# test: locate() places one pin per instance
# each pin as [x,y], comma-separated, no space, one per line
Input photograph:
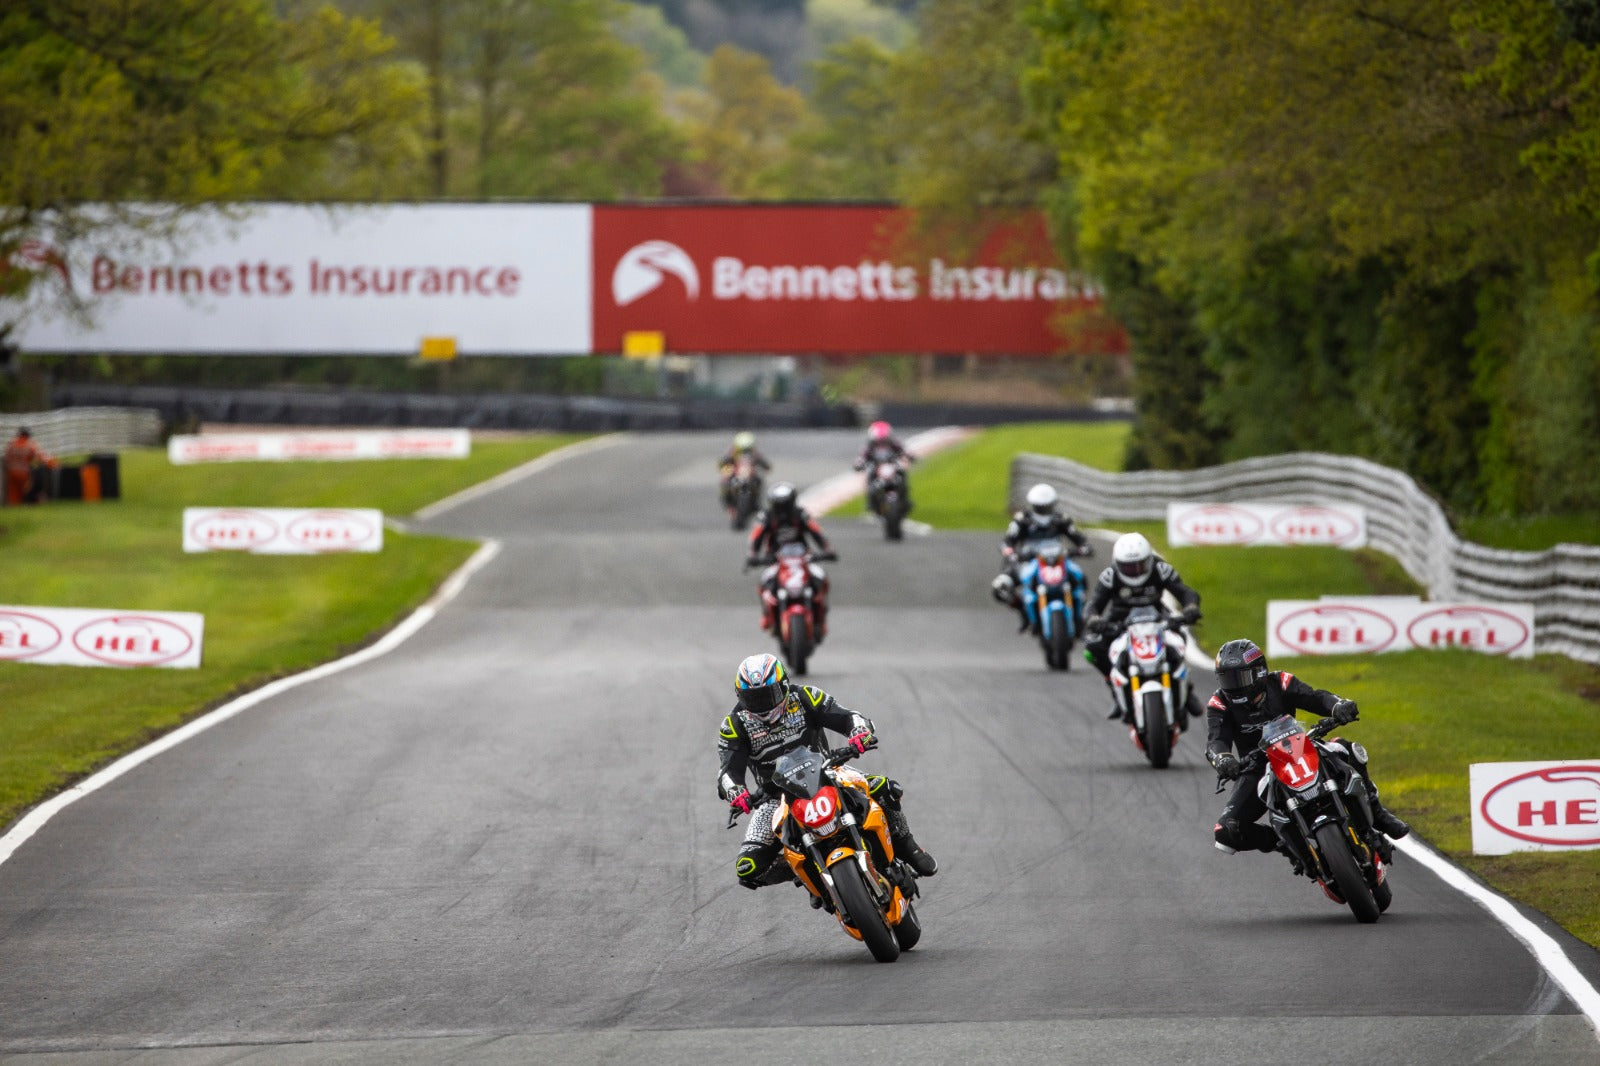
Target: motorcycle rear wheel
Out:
[1383,895]
[1157,731]
[864,913]
[1347,878]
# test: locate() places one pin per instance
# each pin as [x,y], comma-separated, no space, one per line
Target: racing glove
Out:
[1345,712]
[1191,615]
[862,740]
[1226,764]
[739,799]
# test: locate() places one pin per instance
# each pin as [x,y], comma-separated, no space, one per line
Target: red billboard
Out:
[829,278]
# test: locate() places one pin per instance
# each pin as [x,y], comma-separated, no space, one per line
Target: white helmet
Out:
[1042,498]
[1132,557]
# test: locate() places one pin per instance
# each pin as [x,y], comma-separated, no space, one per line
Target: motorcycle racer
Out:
[1039,521]
[744,446]
[786,522]
[1247,698]
[772,716]
[882,447]
[1137,577]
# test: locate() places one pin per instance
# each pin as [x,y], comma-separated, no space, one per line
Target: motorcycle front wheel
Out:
[797,649]
[863,912]
[1341,866]
[1059,655]
[1157,731]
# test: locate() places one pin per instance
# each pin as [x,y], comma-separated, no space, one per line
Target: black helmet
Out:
[1242,672]
[781,502]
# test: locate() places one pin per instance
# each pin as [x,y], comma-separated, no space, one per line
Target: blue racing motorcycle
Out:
[1052,590]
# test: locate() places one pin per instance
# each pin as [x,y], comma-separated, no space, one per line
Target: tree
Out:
[186,102]
[743,125]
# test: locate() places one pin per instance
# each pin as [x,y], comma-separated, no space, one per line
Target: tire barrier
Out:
[1562,583]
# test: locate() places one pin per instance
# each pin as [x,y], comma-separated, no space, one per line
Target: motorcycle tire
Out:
[864,914]
[1059,655]
[1157,730]
[1347,878]
[797,648]
[892,529]
[909,931]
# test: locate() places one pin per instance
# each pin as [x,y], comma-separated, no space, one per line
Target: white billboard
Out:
[1252,524]
[282,530]
[501,279]
[183,449]
[77,636]
[1366,624]
[1534,806]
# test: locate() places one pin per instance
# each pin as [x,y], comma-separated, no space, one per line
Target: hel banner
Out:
[74,636]
[1254,524]
[287,447]
[1534,806]
[560,279]
[282,530]
[1365,624]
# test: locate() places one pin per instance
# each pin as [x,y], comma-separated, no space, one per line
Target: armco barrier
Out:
[1562,583]
[87,429]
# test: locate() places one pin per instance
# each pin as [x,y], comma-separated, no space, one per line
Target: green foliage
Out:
[849,146]
[742,126]
[189,101]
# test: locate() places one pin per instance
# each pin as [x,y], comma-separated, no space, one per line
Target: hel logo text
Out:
[1315,525]
[234,530]
[1220,524]
[330,531]
[132,640]
[1321,630]
[1475,628]
[643,267]
[23,636]
[1556,806]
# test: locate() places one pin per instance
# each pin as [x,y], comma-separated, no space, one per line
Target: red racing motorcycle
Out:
[1317,804]
[793,602]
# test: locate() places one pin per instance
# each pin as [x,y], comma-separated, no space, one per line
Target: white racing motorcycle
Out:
[1150,677]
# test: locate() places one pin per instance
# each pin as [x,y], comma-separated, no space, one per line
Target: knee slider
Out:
[746,867]
[884,789]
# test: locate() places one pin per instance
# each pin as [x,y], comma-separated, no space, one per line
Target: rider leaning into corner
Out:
[786,522]
[772,716]
[1137,577]
[1249,696]
[1040,520]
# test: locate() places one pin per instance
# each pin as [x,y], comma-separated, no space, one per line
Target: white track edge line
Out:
[36,818]
[1541,945]
[517,473]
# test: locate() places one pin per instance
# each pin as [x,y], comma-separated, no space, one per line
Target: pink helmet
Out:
[878,431]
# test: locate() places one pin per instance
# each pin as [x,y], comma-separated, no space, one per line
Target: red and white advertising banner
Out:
[287,447]
[76,636]
[829,278]
[1255,524]
[311,279]
[560,279]
[1365,624]
[1534,806]
[282,530]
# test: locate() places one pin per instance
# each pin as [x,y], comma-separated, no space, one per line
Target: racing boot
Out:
[1385,822]
[906,846]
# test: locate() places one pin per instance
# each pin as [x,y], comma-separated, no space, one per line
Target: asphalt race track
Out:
[501,844]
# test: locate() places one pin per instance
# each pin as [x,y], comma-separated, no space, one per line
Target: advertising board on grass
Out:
[1535,806]
[282,530]
[1254,524]
[1366,624]
[320,447]
[78,636]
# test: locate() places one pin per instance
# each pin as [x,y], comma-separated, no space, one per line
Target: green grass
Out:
[266,616]
[1426,715]
[965,486]
[1532,534]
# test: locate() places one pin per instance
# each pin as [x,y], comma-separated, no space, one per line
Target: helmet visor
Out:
[1135,569]
[1239,678]
[764,702]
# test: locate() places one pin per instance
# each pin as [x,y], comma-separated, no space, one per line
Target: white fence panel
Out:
[75,430]
[1562,583]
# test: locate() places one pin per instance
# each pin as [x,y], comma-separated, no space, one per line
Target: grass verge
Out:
[266,616]
[1426,715]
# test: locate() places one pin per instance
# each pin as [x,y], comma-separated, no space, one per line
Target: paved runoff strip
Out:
[35,819]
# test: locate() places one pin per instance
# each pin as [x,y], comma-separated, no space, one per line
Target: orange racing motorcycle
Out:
[835,838]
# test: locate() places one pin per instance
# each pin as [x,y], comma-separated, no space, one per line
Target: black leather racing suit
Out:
[766,538]
[725,467]
[1113,598]
[887,450]
[1236,728]
[746,744]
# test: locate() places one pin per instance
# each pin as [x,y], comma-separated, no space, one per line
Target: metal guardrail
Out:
[86,429]
[1562,583]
